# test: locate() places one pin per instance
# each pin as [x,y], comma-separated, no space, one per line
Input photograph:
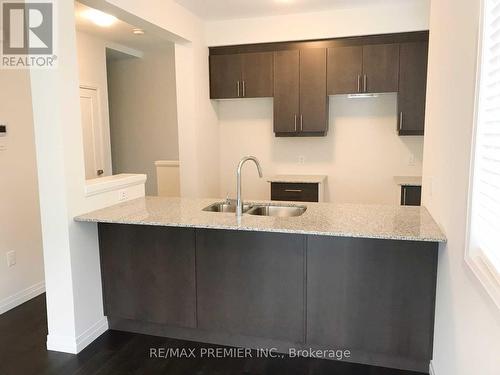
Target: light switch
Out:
[11,258]
[412,160]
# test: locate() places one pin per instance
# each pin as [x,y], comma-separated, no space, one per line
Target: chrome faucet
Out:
[239,201]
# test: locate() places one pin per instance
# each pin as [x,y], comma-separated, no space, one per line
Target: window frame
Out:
[475,258]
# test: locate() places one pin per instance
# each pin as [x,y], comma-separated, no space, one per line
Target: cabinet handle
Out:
[301,123]
[365,83]
[238,88]
[295,122]
[293,190]
[244,89]
[359,82]
[404,195]
[400,125]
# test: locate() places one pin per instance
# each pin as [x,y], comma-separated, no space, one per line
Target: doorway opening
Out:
[128,102]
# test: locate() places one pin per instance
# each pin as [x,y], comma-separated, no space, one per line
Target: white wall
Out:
[359,19]
[467,327]
[73,282]
[92,72]
[143,113]
[70,249]
[19,211]
[360,155]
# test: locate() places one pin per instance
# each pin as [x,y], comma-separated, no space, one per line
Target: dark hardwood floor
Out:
[23,333]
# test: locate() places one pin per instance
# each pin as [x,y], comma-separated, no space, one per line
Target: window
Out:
[483,253]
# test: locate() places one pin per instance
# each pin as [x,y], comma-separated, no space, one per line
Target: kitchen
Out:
[349,240]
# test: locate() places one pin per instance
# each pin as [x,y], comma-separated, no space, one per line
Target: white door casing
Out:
[93,138]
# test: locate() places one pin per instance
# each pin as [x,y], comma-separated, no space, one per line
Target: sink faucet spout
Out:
[239,201]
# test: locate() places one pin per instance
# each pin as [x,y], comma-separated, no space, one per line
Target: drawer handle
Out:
[293,190]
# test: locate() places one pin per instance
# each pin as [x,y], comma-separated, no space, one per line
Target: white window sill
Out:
[484,270]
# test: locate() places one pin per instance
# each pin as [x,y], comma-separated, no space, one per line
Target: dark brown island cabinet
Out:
[300,76]
[372,297]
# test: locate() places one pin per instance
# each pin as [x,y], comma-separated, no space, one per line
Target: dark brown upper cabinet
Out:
[363,69]
[380,68]
[345,70]
[300,99]
[286,91]
[300,75]
[257,75]
[412,88]
[245,75]
[225,76]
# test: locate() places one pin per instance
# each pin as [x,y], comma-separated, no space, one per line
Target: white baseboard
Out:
[21,297]
[431,369]
[91,334]
[72,345]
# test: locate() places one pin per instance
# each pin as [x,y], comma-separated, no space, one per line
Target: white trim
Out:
[431,369]
[92,333]
[110,183]
[21,297]
[475,258]
[89,86]
[67,344]
[484,271]
[167,163]
[124,49]
[99,164]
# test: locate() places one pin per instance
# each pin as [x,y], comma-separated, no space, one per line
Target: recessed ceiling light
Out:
[138,31]
[99,18]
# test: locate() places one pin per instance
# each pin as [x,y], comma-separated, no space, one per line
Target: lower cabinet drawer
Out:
[281,191]
[411,195]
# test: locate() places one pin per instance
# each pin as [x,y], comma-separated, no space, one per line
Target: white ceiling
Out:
[228,9]
[120,32]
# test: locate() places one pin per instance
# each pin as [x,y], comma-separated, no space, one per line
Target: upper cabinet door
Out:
[412,87]
[313,96]
[257,75]
[225,76]
[380,68]
[286,91]
[345,69]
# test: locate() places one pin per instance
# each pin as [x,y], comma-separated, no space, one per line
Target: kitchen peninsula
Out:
[338,277]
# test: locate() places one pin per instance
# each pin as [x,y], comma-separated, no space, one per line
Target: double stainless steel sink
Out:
[258,209]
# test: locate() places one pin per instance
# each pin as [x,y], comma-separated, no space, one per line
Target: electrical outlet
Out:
[302,159]
[11,258]
[122,195]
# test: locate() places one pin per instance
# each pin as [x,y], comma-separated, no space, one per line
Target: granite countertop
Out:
[408,180]
[297,179]
[342,220]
